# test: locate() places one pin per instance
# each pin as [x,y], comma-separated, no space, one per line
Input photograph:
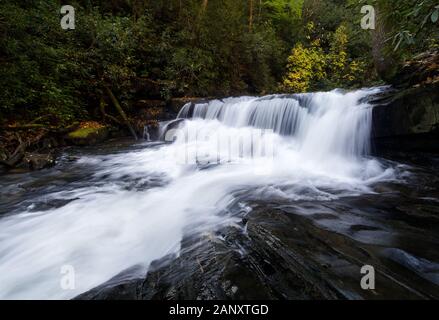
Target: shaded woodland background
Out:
[159,49]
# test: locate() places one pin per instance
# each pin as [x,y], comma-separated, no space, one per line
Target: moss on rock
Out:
[88,133]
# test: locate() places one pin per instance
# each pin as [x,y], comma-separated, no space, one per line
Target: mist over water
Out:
[319,151]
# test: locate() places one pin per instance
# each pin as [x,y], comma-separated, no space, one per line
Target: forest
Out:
[219,150]
[160,49]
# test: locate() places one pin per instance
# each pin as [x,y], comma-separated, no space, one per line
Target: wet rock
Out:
[409,121]
[307,250]
[37,161]
[46,205]
[176,104]
[124,286]
[278,254]
[207,269]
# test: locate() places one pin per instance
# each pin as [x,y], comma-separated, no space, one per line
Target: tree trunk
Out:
[105,115]
[137,7]
[120,110]
[204,6]
[259,11]
[250,16]
[385,59]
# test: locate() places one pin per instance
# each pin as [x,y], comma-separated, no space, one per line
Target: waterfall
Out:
[136,206]
[321,123]
[146,135]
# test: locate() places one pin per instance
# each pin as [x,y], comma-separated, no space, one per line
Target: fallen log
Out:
[32,126]
[26,127]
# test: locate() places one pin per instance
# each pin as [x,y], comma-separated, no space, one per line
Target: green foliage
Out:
[33,62]
[189,48]
[413,24]
[284,9]
[305,66]
[56,73]
[285,17]
[215,53]
[311,68]
[344,71]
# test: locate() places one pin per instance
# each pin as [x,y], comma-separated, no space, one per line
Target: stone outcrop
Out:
[406,117]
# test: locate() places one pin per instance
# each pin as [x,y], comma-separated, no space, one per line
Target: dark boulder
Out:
[406,118]
[408,121]
[274,254]
[124,286]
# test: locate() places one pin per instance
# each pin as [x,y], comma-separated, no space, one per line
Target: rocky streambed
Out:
[275,249]
[134,223]
[306,249]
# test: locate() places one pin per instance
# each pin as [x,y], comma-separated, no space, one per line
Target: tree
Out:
[250,16]
[403,28]
[313,68]
[305,67]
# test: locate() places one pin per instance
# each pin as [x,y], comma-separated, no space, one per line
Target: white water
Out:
[320,146]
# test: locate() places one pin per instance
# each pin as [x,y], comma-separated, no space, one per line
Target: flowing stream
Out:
[99,212]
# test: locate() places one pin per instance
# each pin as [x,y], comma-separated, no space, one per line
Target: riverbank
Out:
[36,146]
[302,251]
[297,225]
[405,119]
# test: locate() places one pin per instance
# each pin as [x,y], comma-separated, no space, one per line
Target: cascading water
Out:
[323,123]
[137,205]
[146,135]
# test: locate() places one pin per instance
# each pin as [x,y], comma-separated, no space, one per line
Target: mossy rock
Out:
[88,136]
